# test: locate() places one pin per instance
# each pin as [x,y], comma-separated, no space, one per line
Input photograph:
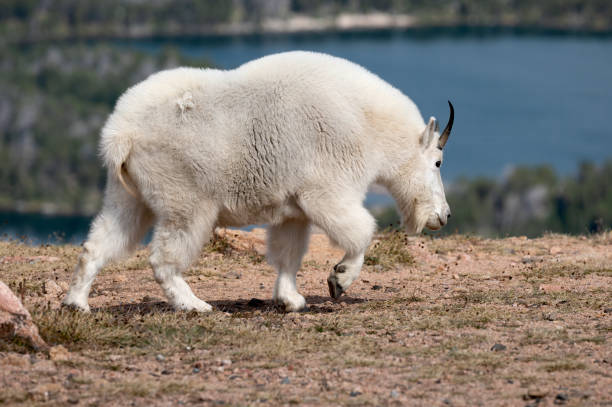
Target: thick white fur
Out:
[291,140]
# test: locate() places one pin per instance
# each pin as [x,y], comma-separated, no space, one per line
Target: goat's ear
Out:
[428,134]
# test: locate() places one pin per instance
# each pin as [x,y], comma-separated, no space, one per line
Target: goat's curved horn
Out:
[448,128]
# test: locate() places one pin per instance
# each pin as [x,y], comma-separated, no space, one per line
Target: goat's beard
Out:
[415,218]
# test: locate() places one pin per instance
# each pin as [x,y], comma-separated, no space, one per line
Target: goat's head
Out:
[422,200]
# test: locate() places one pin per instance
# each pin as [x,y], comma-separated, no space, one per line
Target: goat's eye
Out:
[438,164]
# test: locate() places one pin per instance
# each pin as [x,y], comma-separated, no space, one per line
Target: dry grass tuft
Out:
[391,250]
[221,243]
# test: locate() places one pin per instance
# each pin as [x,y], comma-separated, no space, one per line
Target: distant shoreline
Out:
[273,29]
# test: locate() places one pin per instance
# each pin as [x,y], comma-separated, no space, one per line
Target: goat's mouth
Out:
[435,222]
[417,221]
[442,221]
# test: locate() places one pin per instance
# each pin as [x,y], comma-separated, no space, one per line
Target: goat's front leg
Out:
[344,273]
[350,226]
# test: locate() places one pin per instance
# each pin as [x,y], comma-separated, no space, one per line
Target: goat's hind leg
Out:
[287,244]
[177,241]
[114,233]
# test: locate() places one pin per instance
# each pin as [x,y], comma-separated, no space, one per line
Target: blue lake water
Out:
[519,99]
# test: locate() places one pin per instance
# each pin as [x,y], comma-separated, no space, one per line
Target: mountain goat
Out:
[291,140]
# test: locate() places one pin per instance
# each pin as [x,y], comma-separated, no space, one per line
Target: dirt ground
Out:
[454,321]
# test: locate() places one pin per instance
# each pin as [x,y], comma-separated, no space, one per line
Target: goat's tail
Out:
[115,149]
[123,175]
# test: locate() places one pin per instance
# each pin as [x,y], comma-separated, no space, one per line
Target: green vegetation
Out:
[529,201]
[34,20]
[592,14]
[54,101]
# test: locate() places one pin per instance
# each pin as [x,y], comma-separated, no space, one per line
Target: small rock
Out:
[355,393]
[73,400]
[160,357]
[608,311]
[196,370]
[45,367]
[47,258]
[391,289]
[51,288]
[561,398]
[464,256]
[119,278]
[555,250]
[232,275]
[394,394]
[376,287]
[285,380]
[59,353]
[551,288]
[15,360]
[47,389]
[166,372]
[536,393]
[114,358]
[498,347]
[456,276]
[226,362]
[550,316]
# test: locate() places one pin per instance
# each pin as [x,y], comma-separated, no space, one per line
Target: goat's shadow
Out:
[316,305]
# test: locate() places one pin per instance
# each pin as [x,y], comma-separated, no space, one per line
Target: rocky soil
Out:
[458,321]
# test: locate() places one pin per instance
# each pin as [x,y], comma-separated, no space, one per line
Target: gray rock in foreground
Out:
[15,320]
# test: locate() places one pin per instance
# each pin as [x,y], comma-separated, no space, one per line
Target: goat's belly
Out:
[267,214]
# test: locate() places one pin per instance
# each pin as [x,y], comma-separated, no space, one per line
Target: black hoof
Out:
[70,307]
[335,290]
[304,310]
[281,307]
[340,268]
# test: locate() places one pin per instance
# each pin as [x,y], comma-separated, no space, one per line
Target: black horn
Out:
[448,128]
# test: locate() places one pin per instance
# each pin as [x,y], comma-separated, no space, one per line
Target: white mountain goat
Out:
[291,140]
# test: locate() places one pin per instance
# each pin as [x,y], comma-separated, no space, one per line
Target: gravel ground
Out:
[457,321]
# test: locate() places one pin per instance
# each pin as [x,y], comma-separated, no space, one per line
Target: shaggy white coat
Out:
[290,140]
